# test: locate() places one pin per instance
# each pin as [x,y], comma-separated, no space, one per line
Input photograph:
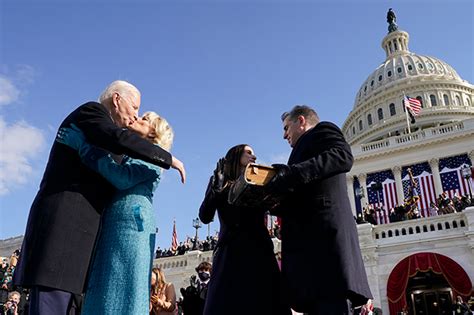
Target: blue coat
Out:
[64,217]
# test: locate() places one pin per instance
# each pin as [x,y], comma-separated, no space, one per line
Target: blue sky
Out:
[221,72]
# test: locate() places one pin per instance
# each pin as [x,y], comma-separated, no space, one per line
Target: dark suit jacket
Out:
[64,218]
[321,258]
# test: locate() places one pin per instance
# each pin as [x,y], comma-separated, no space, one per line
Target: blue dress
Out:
[119,279]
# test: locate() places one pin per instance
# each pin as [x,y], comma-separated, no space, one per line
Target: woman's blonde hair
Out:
[160,280]
[164,132]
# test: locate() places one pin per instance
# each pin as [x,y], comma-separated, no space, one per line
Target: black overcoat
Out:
[245,278]
[321,258]
[64,218]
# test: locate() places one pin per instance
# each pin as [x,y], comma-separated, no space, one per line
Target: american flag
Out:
[451,177]
[387,198]
[424,186]
[412,104]
[174,238]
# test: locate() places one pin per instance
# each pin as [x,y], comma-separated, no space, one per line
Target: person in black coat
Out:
[322,264]
[64,218]
[245,276]
[194,296]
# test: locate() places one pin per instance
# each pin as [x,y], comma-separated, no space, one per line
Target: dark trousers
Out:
[49,301]
[332,307]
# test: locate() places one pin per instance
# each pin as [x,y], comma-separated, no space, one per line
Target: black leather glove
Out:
[282,182]
[218,179]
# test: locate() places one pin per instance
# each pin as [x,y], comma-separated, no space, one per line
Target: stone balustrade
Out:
[447,225]
[415,137]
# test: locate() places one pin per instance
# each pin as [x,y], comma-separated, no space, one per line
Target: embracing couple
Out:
[91,226]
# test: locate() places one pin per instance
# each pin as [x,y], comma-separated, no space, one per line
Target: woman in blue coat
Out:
[245,276]
[119,279]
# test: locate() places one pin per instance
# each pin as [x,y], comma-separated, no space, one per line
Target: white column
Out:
[434,164]
[397,174]
[363,185]
[471,157]
[350,192]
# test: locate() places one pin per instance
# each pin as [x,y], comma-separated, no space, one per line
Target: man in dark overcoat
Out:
[64,218]
[322,264]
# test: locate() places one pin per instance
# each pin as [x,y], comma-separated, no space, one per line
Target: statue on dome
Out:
[392,21]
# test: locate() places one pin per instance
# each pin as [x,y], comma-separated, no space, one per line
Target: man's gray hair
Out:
[302,110]
[120,87]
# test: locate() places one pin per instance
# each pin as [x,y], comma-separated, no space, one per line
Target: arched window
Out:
[393,112]
[468,102]
[433,100]
[458,101]
[369,119]
[380,113]
[360,124]
[421,100]
[446,99]
[353,130]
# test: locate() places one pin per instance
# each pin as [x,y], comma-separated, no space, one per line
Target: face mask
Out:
[204,275]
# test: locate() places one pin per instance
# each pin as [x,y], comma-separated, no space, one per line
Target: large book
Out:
[249,190]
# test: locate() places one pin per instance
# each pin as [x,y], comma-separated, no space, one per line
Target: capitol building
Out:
[418,265]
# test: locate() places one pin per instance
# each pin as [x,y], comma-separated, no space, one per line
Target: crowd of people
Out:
[13,299]
[409,210]
[190,244]
[205,245]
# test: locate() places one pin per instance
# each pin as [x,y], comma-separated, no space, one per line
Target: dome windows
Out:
[433,100]
[410,67]
[421,101]
[399,69]
[468,102]
[391,107]
[389,73]
[372,83]
[430,66]
[353,130]
[446,99]
[365,88]
[369,119]
[380,77]
[380,113]
[458,101]
[360,125]
[420,66]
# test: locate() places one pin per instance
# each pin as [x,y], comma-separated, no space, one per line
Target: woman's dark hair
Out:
[233,169]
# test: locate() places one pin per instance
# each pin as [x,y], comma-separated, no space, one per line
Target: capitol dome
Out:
[378,111]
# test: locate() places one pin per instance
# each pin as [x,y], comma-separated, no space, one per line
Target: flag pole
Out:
[406,112]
